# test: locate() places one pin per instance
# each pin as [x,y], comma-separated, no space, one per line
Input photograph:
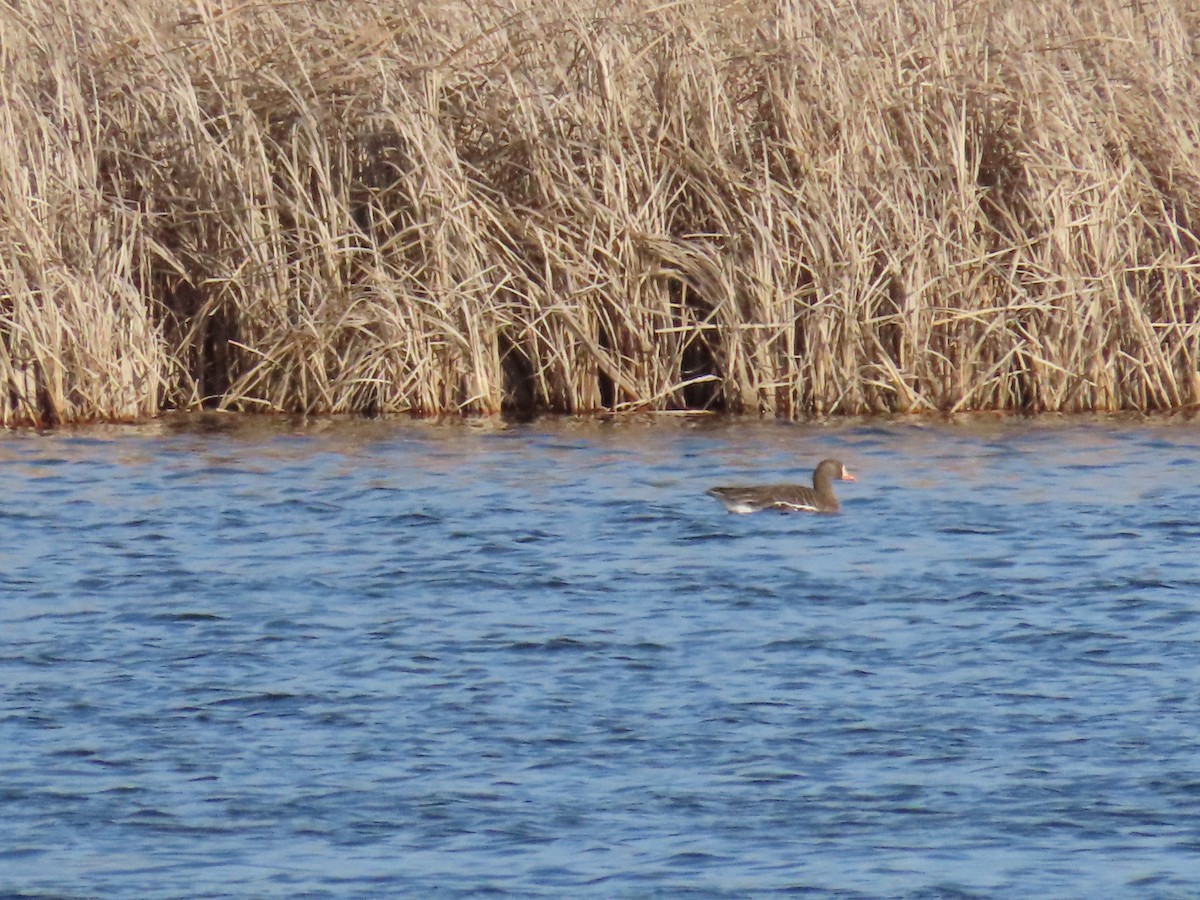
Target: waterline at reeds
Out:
[793,209]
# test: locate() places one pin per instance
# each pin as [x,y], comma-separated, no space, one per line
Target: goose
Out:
[788,497]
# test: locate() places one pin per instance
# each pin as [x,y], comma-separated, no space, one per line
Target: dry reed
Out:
[789,208]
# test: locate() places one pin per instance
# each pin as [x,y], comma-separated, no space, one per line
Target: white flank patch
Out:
[799,507]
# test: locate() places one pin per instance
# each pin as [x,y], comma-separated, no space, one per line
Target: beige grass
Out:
[796,208]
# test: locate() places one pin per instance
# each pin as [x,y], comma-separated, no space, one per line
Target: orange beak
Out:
[846,476]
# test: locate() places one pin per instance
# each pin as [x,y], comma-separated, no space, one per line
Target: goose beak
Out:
[846,476]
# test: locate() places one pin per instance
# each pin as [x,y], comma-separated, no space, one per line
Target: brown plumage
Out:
[788,497]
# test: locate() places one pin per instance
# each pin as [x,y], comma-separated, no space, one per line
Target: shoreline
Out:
[235,423]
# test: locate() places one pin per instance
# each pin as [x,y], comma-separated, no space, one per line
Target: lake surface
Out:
[405,659]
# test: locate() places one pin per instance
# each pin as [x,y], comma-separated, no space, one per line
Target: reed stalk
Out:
[805,207]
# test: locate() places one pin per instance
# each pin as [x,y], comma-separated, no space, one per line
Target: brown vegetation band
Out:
[792,208]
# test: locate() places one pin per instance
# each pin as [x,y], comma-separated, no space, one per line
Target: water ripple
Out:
[408,659]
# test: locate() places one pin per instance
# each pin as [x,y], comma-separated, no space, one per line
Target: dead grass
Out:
[799,208]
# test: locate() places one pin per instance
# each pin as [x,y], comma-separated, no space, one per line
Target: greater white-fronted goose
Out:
[788,497]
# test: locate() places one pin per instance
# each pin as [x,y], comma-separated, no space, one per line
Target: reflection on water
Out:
[397,659]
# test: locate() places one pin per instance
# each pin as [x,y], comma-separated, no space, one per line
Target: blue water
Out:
[403,659]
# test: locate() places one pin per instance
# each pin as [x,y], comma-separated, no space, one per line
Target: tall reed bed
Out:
[791,208]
